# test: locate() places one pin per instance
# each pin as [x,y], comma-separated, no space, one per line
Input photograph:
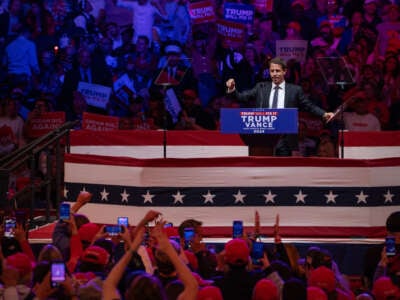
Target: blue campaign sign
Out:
[258,120]
[239,13]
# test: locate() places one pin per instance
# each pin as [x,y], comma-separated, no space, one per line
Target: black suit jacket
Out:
[99,75]
[4,24]
[294,98]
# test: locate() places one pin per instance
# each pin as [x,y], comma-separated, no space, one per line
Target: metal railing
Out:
[27,157]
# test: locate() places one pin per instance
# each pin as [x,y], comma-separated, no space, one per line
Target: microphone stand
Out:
[340,110]
[341,107]
[165,122]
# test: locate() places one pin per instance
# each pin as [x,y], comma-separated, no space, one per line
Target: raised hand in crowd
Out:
[83,198]
[184,274]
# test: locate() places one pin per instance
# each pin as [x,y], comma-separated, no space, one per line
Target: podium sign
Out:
[259,120]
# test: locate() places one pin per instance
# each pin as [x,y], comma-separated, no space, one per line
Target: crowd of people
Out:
[153,261]
[51,49]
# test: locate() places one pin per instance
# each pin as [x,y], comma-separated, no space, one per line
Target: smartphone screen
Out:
[57,273]
[237,229]
[123,221]
[65,209]
[390,246]
[257,252]
[113,229]
[9,226]
[188,235]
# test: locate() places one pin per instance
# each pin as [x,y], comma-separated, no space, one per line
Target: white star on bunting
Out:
[148,197]
[239,197]
[124,196]
[388,197]
[362,198]
[269,197]
[178,197]
[300,197]
[104,195]
[330,198]
[208,198]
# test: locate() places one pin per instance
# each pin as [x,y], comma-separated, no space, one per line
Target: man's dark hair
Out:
[189,223]
[278,61]
[393,222]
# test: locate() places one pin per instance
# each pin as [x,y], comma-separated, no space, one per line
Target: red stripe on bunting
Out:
[304,232]
[231,161]
[154,137]
[371,138]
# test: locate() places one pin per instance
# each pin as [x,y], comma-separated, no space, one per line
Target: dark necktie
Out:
[275,98]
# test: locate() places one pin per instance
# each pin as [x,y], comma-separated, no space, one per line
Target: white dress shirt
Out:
[281,95]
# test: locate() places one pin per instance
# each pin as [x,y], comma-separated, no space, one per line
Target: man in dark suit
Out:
[279,94]
[86,71]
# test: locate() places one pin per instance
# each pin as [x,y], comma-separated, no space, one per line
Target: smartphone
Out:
[113,229]
[9,226]
[168,225]
[176,239]
[188,235]
[237,229]
[257,252]
[390,246]
[65,211]
[57,273]
[123,221]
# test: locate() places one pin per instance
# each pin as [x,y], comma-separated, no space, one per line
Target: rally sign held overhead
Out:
[202,12]
[240,13]
[292,49]
[95,94]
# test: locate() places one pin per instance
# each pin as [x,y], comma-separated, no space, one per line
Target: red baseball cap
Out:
[21,262]
[237,252]
[96,255]
[315,293]
[88,231]
[265,289]
[383,287]
[323,278]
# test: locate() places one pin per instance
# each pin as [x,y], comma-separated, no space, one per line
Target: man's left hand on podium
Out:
[328,116]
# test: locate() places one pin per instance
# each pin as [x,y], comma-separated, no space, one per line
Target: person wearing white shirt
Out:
[144,13]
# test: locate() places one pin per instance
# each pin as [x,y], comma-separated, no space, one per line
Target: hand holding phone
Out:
[257,253]
[237,229]
[123,221]
[390,246]
[188,235]
[9,227]
[65,211]
[57,273]
[113,230]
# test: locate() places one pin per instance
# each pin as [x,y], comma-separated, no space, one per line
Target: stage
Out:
[340,203]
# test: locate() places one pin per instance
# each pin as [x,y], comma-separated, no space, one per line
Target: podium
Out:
[259,128]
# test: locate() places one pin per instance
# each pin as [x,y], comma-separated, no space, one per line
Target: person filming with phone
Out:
[384,259]
[191,235]
[278,94]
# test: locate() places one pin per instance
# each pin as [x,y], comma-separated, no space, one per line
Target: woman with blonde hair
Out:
[50,253]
